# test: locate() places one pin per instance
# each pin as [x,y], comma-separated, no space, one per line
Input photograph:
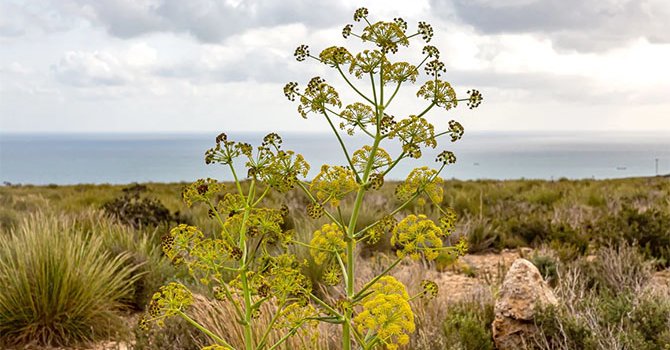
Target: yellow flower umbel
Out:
[416,236]
[333,183]
[387,314]
[327,242]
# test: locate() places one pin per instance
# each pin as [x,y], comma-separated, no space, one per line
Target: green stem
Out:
[237,181]
[344,148]
[311,197]
[285,337]
[238,310]
[352,85]
[374,280]
[426,110]
[248,331]
[392,96]
[325,305]
[263,340]
[203,329]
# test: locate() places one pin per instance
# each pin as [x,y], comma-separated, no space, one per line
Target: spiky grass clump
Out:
[60,286]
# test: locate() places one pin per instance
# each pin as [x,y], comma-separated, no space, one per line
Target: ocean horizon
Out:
[121,158]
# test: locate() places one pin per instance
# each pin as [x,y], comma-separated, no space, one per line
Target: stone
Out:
[523,292]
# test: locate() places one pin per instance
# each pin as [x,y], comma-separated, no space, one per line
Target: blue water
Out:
[125,158]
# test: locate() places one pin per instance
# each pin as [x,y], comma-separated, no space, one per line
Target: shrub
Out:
[59,286]
[468,326]
[650,229]
[547,265]
[138,211]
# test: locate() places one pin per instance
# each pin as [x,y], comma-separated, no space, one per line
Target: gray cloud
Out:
[208,20]
[584,25]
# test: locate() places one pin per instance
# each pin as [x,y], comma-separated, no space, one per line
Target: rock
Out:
[522,292]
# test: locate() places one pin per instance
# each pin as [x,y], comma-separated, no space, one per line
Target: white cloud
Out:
[161,65]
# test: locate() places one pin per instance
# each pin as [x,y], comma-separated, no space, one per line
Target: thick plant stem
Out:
[248,332]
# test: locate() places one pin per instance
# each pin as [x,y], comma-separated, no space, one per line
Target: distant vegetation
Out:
[603,239]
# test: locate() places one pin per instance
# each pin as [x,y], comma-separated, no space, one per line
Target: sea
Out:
[99,158]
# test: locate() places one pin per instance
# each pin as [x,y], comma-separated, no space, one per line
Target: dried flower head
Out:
[426,31]
[456,130]
[429,289]
[446,157]
[360,13]
[301,52]
[475,98]
[431,51]
[346,31]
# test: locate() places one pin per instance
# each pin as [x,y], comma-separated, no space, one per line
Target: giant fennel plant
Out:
[248,262]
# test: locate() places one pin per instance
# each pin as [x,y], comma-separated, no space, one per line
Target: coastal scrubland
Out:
[79,262]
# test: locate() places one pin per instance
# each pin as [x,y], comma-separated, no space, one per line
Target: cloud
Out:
[21,18]
[583,25]
[207,20]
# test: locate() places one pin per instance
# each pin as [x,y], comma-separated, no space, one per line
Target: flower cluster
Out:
[475,98]
[225,151]
[357,115]
[361,156]
[400,72]
[431,51]
[315,210]
[346,31]
[387,314]
[448,221]
[180,241]
[317,95]
[414,132]
[435,68]
[275,167]
[301,52]
[333,183]
[360,13]
[429,288]
[417,236]
[202,190]
[335,56]
[456,130]
[439,92]
[426,31]
[168,301]
[367,62]
[283,276]
[384,225]
[446,157]
[387,35]
[421,180]
[327,242]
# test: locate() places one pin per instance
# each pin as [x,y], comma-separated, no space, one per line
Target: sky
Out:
[203,65]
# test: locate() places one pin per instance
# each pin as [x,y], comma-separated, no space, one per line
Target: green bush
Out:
[548,267]
[468,326]
[650,229]
[136,210]
[59,286]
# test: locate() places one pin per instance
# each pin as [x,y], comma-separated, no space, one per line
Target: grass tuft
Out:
[60,285]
